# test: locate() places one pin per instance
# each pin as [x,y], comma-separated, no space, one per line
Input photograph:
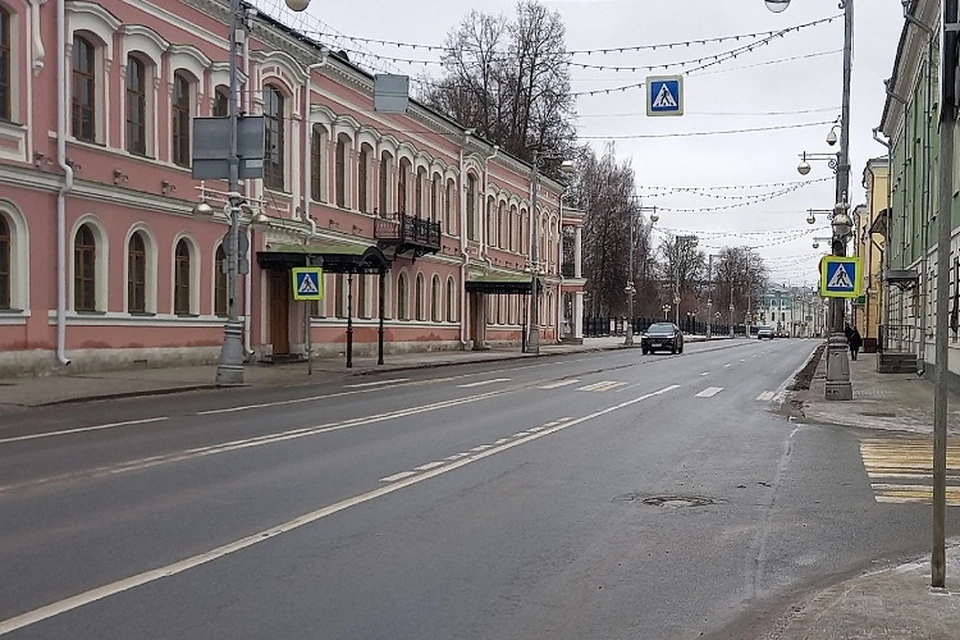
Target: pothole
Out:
[668,501]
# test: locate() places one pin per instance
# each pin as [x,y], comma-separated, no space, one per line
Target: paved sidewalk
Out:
[891,604]
[888,401]
[20,393]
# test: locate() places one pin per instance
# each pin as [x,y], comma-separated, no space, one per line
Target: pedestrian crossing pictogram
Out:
[664,95]
[841,279]
[308,283]
[664,99]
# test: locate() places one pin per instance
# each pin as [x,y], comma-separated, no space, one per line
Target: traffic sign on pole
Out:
[664,95]
[840,277]
[308,283]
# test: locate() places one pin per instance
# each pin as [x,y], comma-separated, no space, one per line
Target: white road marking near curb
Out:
[766,396]
[557,385]
[709,392]
[481,383]
[398,476]
[99,427]
[379,383]
[502,441]
[482,447]
[521,434]
[199,452]
[140,579]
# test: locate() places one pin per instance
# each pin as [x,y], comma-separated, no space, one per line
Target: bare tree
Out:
[510,81]
[682,266]
[739,277]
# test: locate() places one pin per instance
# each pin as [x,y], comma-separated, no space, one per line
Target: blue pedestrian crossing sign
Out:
[308,283]
[840,277]
[664,95]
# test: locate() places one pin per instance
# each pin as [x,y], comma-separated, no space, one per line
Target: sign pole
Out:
[306,328]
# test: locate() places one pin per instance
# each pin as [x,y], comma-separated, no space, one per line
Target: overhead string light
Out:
[705,192]
[601,51]
[754,200]
[695,134]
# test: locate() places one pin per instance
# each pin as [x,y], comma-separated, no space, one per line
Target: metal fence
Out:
[600,326]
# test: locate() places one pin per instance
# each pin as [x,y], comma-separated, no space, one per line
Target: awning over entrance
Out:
[334,258]
[494,283]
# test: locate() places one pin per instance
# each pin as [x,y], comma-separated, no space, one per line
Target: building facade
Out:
[869,222]
[910,122]
[797,312]
[111,254]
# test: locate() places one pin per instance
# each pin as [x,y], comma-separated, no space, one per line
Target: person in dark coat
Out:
[855,342]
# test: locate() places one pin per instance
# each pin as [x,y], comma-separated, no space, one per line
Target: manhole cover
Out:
[671,501]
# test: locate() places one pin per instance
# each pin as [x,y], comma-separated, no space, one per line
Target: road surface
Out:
[609,495]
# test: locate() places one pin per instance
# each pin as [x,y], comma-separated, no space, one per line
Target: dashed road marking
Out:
[705,373]
[599,387]
[766,396]
[398,476]
[482,383]
[557,385]
[99,427]
[430,465]
[709,392]
[378,383]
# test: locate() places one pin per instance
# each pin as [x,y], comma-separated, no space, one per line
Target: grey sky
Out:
[721,98]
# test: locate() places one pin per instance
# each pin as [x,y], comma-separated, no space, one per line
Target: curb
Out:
[130,394]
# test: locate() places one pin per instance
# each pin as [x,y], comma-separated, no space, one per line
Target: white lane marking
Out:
[521,434]
[482,447]
[551,424]
[754,355]
[766,396]
[398,476]
[605,385]
[113,588]
[501,441]
[99,427]
[379,383]
[457,456]
[709,392]
[430,465]
[727,365]
[743,359]
[198,452]
[481,383]
[557,385]
[705,373]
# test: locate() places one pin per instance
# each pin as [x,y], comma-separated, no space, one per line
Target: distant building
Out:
[870,222]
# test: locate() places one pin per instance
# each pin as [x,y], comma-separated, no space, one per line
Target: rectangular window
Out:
[181,121]
[316,164]
[84,90]
[6,99]
[136,107]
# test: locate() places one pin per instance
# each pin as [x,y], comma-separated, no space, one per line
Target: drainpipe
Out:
[464,254]
[307,133]
[65,189]
[485,225]
[248,192]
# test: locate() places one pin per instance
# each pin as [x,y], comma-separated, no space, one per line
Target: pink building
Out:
[139,279]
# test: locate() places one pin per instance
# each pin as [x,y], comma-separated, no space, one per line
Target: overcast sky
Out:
[726,96]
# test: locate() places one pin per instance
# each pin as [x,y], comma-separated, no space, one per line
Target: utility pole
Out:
[533,339]
[838,385]
[230,366]
[948,120]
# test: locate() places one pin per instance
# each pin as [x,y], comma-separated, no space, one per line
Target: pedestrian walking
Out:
[855,342]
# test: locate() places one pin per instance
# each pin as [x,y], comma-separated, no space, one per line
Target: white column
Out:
[578,254]
[578,312]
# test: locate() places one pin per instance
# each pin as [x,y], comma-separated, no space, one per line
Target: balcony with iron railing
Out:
[408,233]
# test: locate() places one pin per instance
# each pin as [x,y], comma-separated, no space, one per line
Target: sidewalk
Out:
[891,604]
[22,393]
[888,401]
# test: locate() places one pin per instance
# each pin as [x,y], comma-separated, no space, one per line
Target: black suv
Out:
[662,335]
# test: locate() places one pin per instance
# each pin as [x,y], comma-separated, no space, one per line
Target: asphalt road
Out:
[489,501]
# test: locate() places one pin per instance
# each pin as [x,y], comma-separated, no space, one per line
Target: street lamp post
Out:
[230,365]
[533,339]
[838,385]
[631,289]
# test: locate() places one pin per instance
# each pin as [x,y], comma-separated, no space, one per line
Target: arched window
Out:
[274,151]
[403,299]
[491,222]
[83,109]
[471,207]
[448,209]
[419,208]
[363,179]
[502,225]
[181,278]
[420,301]
[5,251]
[6,98]
[386,163]
[137,274]
[512,241]
[316,163]
[402,180]
[220,284]
[136,106]
[221,102]
[85,270]
[451,300]
[436,304]
[343,150]
[181,120]
[435,198]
